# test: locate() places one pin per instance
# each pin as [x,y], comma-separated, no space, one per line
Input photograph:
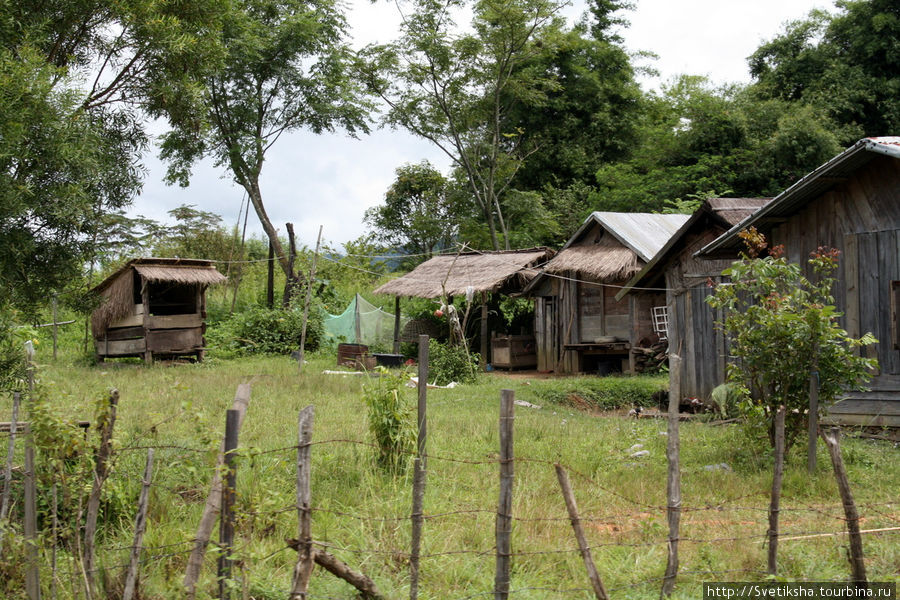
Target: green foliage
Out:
[447,362]
[391,419]
[782,327]
[601,393]
[417,215]
[261,330]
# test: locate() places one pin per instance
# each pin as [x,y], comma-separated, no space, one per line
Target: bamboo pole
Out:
[673,477]
[504,505]
[32,573]
[309,286]
[7,473]
[572,508]
[857,563]
[140,525]
[775,499]
[212,507]
[419,473]
[304,567]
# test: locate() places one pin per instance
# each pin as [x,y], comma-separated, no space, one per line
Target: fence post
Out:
[419,472]
[140,525]
[303,569]
[572,508]
[226,520]
[55,323]
[101,472]
[775,500]
[857,565]
[813,420]
[7,474]
[504,506]
[673,477]
[32,575]
[212,507]
[309,284]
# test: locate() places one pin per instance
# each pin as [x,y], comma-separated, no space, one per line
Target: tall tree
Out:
[285,69]
[847,63]
[418,214]
[455,89]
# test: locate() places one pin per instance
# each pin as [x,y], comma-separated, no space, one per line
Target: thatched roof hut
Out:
[153,305]
[454,274]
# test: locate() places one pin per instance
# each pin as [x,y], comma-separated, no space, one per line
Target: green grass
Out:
[362,512]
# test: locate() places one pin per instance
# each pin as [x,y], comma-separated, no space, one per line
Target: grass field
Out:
[361,514]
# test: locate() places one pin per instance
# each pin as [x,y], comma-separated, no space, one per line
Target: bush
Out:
[602,393]
[450,363]
[391,421]
[265,331]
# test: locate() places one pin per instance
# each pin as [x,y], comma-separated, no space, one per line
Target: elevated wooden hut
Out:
[851,203]
[153,307]
[579,324]
[479,273]
[690,322]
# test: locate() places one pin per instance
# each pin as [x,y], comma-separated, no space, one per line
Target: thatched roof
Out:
[117,291]
[606,261]
[735,210]
[454,274]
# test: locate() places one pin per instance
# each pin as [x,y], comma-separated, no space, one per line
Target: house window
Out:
[895,314]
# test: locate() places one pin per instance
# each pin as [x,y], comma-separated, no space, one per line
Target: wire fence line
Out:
[879,513]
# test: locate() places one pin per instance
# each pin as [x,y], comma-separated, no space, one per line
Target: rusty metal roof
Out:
[809,187]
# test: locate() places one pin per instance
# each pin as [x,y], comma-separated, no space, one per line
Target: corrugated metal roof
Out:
[811,186]
[644,233]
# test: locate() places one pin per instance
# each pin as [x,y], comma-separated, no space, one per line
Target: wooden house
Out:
[579,324]
[478,274]
[153,307]
[690,322]
[851,203]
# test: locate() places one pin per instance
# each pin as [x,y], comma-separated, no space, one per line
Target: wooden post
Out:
[572,508]
[419,472]
[145,321]
[54,528]
[673,478]
[270,278]
[290,281]
[813,419]
[309,291]
[504,506]
[32,575]
[304,567]
[857,565]
[356,319]
[775,500]
[366,587]
[55,324]
[226,522]
[140,525]
[396,348]
[7,473]
[212,507]
[101,472]
[482,362]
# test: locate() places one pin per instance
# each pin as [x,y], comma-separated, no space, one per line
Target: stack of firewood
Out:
[649,357]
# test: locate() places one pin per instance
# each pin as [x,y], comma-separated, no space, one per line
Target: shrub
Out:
[391,420]
[448,363]
[601,393]
[265,331]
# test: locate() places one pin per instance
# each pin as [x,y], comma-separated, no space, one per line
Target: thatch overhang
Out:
[811,186]
[453,274]
[606,261]
[724,212]
[117,291]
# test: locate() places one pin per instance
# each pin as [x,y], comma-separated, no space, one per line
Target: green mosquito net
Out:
[362,323]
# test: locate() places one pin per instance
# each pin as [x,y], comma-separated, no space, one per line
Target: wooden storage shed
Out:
[691,330]
[851,203]
[482,273]
[579,324]
[153,307]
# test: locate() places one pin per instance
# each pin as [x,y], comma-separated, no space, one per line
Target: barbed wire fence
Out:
[184,559]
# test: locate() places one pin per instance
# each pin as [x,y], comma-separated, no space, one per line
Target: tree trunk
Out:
[253,191]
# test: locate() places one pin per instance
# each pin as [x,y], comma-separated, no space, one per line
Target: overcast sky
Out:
[330,180]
